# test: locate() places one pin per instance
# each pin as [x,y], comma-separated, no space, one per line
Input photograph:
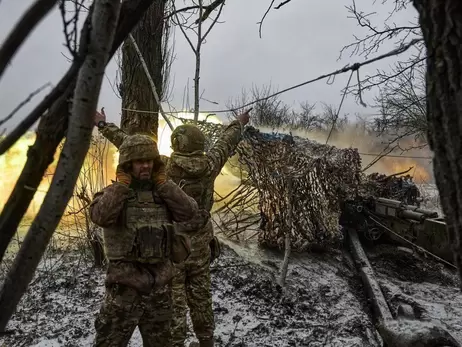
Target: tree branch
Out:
[264,16]
[51,131]
[24,102]
[207,10]
[21,31]
[282,4]
[88,86]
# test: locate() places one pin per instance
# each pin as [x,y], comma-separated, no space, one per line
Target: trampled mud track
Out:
[322,303]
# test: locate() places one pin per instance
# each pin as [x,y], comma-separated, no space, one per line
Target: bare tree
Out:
[268,111]
[51,129]
[201,13]
[104,19]
[401,104]
[152,37]
[441,23]
[400,88]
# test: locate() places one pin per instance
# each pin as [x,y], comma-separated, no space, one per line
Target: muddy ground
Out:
[322,303]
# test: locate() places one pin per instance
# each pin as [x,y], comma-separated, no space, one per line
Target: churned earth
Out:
[322,303]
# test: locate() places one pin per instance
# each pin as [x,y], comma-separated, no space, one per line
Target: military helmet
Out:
[138,147]
[188,138]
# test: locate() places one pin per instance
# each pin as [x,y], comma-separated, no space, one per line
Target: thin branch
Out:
[22,30]
[208,10]
[48,101]
[264,16]
[24,102]
[183,31]
[197,75]
[214,21]
[282,4]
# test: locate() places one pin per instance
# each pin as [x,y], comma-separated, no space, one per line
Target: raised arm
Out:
[109,130]
[227,143]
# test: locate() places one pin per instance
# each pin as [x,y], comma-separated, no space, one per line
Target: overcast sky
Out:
[300,41]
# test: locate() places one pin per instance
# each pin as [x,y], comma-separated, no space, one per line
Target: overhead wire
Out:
[403,48]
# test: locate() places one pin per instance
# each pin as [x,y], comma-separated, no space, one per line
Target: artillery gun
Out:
[393,221]
[387,220]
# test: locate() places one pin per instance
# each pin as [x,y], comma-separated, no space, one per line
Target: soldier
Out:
[137,213]
[195,172]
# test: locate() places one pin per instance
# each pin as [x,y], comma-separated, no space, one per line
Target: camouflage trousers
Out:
[191,287]
[123,310]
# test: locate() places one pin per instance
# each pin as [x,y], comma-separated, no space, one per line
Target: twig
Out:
[151,82]
[50,99]
[198,65]
[22,30]
[209,9]
[24,102]
[214,21]
[282,4]
[264,16]
[395,174]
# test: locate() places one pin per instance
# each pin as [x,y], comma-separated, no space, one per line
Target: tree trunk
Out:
[100,35]
[135,89]
[441,23]
[51,129]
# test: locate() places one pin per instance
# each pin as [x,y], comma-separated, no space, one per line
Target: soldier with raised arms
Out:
[195,171]
[138,213]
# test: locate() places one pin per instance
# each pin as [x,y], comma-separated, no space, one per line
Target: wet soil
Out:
[321,304]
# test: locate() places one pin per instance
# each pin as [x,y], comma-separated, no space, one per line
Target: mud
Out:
[322,303]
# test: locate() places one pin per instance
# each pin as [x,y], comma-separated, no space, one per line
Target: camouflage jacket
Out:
[194,164]
[199,168]
[107,204]
[106,211]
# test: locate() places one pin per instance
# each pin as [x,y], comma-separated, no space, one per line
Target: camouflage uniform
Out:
[195,172]
[140,244]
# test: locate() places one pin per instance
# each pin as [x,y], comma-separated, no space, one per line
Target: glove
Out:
[122,176]
[159,175]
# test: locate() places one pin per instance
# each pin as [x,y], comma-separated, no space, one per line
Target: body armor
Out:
[146,233]
[200,189]
[190,172]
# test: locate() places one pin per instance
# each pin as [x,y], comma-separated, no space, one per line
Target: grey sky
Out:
[300,41]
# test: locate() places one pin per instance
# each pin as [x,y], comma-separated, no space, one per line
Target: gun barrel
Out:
[413,215]
[427,213]
[390,202]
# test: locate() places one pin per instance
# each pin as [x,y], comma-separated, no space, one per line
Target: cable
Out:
[354,67]
[412,243]
[395,156]
[339,107]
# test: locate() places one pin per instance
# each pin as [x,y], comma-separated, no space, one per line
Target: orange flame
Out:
[98,170]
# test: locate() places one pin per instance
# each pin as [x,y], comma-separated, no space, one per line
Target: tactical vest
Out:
[200,189]
[145,232]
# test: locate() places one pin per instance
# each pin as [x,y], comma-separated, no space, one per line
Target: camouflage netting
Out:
[310,177]
[400,188]
[294,184]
